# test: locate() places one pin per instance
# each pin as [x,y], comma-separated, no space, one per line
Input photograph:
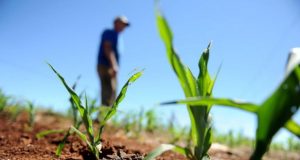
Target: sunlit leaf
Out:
[293,127]
[82,137]
[119,99]
[167,147]
[47,132]
[276,111]
[201,101]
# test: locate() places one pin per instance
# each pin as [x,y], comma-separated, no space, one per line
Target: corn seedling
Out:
[171,125]
[93,140]
[202,86]
[127,122]
[15,110]
[31,111]
[133,123]
[293,144]
[151,119]
[139,122]
[175,132]
[275,112]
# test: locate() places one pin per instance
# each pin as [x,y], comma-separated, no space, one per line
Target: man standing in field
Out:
[108,60]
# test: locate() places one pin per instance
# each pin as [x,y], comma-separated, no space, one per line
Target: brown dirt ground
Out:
[18,142]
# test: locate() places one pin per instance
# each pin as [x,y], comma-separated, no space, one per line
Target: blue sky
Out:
[250,38]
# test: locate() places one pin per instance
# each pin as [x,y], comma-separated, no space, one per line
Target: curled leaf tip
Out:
[209,44]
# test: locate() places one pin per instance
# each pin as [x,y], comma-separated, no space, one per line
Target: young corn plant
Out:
[31,111]
[192,86]
[92,139]
[139,123]
[274,113]
[151,118]
[15,110]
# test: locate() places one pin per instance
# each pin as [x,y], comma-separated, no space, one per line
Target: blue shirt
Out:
[111,36]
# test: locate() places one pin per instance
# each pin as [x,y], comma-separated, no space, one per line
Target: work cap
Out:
[122,19]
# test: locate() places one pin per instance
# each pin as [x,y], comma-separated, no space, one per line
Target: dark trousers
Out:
[108,85]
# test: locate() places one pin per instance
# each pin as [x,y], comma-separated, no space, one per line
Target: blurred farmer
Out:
[108,60]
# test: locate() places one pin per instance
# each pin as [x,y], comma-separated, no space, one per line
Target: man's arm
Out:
[108,52]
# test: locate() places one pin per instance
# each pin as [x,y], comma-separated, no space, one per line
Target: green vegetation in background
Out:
[10,105]
[151,124]
[3,100]
[132,123]
[31,111]
[94,140]
[293,144]
[232,139]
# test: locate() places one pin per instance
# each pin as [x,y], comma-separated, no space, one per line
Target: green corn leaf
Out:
[92,146]
[275,112]
[167,147]
[121,95]
[164,30]
[204,81]
[212,83]
[73,107]
[208,140]
[47,132]
[59,148]
[74,96]
[202,101]
[88,118]
[62,143]
[82,111]
[184,74]
[82,137]
[293,127]
[205,86]
[119,99]
[185,77]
